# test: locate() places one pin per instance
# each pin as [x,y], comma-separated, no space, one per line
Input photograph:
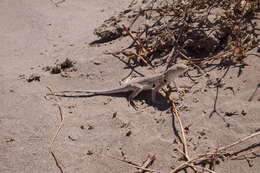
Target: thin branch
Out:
[239,141]
[182,131]
[131,163]
[51,150]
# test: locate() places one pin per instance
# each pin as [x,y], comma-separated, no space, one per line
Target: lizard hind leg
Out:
[134,93]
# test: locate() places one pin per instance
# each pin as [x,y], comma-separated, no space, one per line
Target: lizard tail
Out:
[93,92]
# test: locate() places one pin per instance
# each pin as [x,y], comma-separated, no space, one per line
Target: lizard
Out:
[137,85]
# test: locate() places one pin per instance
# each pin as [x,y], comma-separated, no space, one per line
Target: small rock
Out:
[97,63]
[114,115]
[243,113]
[89,152]
[33,77]
[55,70]
[227,125]
[229,114]
[10,140]
[90,127]
[128,133]
[72,139]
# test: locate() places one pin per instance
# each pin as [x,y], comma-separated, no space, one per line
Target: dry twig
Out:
[144,52]
[182,131]
[220,152]
[149,161]
[193,28]
[143,168]
[58,162]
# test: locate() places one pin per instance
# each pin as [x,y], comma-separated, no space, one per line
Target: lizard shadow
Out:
[145,97]
[161,103]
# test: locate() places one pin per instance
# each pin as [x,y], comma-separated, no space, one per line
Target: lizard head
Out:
[175,71]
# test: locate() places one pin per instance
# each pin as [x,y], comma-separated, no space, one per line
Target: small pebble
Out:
[128,133]
[89,152]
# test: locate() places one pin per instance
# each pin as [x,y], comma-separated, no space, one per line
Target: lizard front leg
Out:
[180,91]
[154,92]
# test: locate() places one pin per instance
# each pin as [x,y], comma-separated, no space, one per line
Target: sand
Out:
[36,34]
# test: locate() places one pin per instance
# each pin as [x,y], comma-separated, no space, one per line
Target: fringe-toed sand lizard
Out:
[136,85]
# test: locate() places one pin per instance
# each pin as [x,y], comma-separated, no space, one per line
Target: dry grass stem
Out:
[184,142]
[58,162]
[207,32]
[239,141]
[246,154]
[213,155]
[141,47]
[134,164]
[150,159]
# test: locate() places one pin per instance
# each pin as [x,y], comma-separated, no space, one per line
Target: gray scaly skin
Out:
[135,86]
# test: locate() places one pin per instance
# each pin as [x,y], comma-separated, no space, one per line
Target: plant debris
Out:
[198,32]
[201,33]
[66,66]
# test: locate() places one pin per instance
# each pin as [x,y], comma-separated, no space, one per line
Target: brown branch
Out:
[141,47]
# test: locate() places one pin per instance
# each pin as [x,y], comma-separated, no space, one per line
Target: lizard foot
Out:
[131,103]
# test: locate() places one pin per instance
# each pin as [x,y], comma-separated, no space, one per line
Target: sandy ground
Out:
[35,34]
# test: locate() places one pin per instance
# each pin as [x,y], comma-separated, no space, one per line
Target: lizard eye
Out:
[153,85]
[164,80]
